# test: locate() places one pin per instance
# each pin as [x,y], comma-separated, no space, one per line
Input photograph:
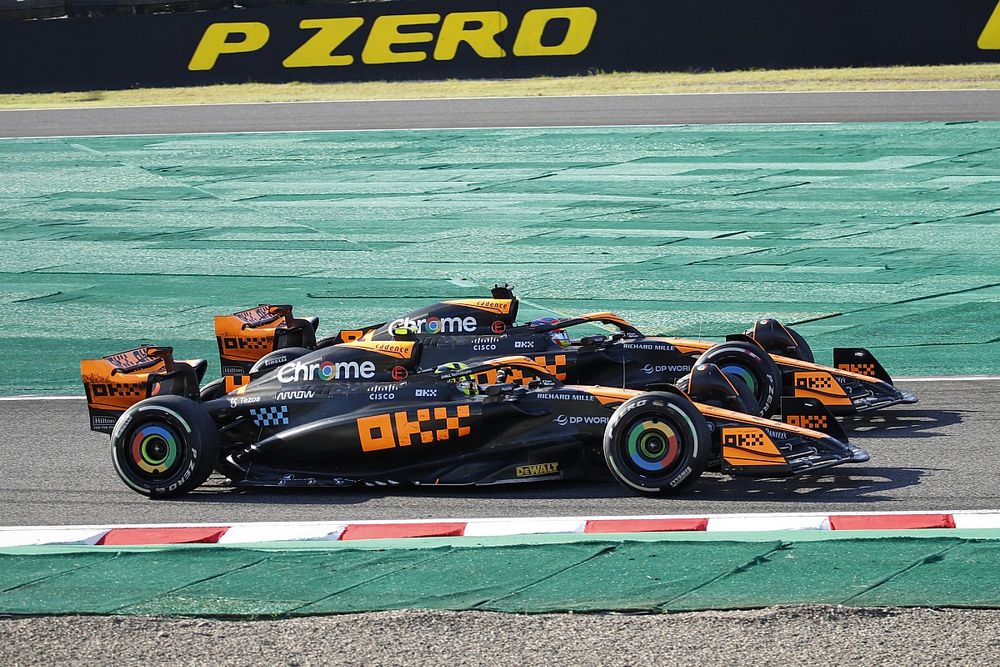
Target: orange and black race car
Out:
[362,414]
[767,361]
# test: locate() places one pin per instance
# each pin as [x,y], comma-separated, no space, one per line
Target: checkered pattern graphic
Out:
[272,416]
[860,369]
[127,389]
[257,342]
[807,421]
[514,376]
[752,439]
[814,382]
[248,342]
[555,363]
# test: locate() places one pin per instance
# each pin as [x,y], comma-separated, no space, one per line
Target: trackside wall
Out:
[434,39]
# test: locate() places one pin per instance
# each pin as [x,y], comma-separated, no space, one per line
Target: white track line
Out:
[42,398]
[880,91]
[951,378]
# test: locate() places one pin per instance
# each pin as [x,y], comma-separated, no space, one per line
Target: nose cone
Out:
[859,455]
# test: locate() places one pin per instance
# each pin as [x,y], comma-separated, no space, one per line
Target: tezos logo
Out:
[436,325]
[563,420]
[326,370]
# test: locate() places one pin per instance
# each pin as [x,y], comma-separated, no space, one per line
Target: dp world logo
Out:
[563,420]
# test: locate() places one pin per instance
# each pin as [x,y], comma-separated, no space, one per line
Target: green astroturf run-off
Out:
[881,235]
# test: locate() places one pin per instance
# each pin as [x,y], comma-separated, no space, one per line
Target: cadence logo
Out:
[326,370]
[436,325]
[397,38]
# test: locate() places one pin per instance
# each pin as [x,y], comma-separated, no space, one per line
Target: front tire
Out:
[803,351]
[753,366]
[164,446]
[657,444]
[747,398]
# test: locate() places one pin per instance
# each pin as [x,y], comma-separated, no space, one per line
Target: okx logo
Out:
[416,427]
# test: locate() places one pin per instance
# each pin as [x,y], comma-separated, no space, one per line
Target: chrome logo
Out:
[433,325]
[327,371]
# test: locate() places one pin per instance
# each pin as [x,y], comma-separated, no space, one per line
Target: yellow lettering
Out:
[989,40]
[215,42]
[456,29]
[385,34]
[318,49]
[578,33]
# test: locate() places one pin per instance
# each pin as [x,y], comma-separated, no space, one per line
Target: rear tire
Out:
[753,366]
[165,446]
[657,444]
[213,390]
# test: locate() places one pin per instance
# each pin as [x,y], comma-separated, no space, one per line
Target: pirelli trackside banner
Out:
[434,39]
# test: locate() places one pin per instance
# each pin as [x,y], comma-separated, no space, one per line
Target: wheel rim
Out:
[653,446]
[745,374]
[154,450]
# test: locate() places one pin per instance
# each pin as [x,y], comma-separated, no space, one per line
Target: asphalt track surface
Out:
[956,106]
[939,454]
[932,456]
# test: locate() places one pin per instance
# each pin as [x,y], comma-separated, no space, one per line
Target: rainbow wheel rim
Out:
[154,449]
[652,445]
[743,373]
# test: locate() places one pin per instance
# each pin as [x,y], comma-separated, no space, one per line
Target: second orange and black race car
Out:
[769,360]
[361,414]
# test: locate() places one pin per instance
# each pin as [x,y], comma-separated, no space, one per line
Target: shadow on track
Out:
[848,484]
[903,424]
[854,485]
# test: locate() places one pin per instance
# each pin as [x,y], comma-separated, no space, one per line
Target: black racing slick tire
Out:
[753,366]
[164,446]
[746,396]
[657,444]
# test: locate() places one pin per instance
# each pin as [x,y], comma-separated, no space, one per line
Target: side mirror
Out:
[593,341]
[500,389]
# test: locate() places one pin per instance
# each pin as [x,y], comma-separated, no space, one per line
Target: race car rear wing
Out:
[116,382]
[246,336]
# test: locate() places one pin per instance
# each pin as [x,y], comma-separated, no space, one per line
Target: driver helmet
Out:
[557,336]
[464,383]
